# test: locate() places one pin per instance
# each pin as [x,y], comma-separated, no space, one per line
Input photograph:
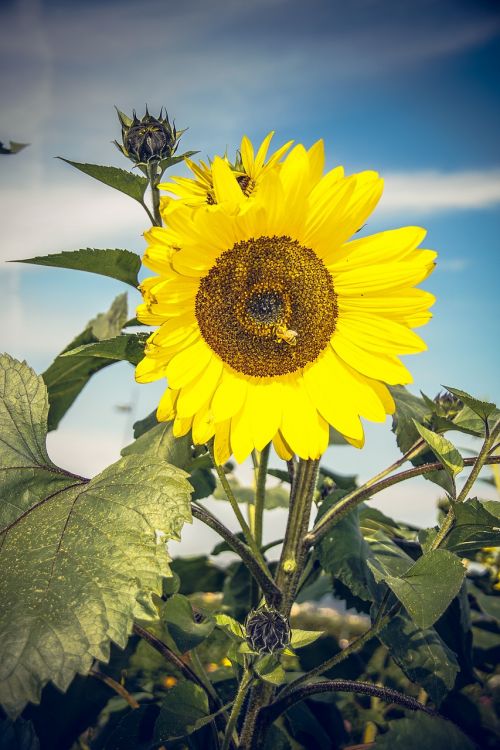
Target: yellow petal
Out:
[264,402]
[166,408]
[226,186]
[282,448]
[376,365]
[375,333]
[300,426]
[187,364]
[229,396]
[222,446]
[199,391]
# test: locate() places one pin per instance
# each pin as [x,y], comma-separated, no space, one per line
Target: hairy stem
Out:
[261,574]
[282,704]
[237,511]
[155,193]
[355,497]
[260,492]
[230,733]
[477,465]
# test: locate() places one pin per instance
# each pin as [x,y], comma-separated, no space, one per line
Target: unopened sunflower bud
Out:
[447,404]
[268,631]
[148,139]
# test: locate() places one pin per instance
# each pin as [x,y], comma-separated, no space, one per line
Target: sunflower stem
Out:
[230,733]
[290,568]
[237,511]
[154,179]
[262,461]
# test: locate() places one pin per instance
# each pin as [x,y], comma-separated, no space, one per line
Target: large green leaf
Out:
[66,377]
[158,439]
[475,527]
[122,265]
[422,655]
[127,347]
[182,712]
[428,587]
[80,558]
[126,182]
[343,552]
[432,732]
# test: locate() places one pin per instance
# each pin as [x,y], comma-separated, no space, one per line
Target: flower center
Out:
[267,307]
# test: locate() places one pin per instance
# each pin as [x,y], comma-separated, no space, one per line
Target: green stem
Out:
[261,574]
[237,511]
[230,732]
[293,554]
[478,464]
[290,567]
[260,492]
[155,193]
[114,685]
[350,501]
[381,620]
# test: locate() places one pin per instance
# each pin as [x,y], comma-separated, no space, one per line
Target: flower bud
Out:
[447,404]
[148,139]
[267,631]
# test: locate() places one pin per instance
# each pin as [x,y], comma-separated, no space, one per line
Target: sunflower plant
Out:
[277,324]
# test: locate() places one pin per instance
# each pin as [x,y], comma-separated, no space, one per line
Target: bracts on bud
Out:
[268,631]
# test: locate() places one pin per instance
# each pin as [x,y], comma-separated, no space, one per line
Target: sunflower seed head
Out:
[268,631]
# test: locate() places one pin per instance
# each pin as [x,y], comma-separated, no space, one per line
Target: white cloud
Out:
[66,216]
[431,192]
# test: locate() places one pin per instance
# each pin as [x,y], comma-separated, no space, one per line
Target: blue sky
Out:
[404,87]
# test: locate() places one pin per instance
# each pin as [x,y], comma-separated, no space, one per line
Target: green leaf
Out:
[66,378]
[435,732]
[160,441]
[422,655]
[229,625]
[301,638]
[185,631]
[428,587]
[482,408]
[182,712]
[489,603]
[126,182]
[80,558]
[122,265]
[127,347]
[270,670]
[475,527]
[444,450]
[386,558]
[409,410]
[343,552]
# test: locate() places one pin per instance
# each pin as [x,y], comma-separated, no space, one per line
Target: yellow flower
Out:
[272,324]
[248,169]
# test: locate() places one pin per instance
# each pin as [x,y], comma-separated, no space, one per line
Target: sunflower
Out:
[273,324]
[249,167]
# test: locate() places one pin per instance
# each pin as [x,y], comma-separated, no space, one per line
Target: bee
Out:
[286,334]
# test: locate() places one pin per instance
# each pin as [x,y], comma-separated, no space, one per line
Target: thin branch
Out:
[114,685]
[355,497]
[261,575]
[260,492]
[282,704]
[168,654]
